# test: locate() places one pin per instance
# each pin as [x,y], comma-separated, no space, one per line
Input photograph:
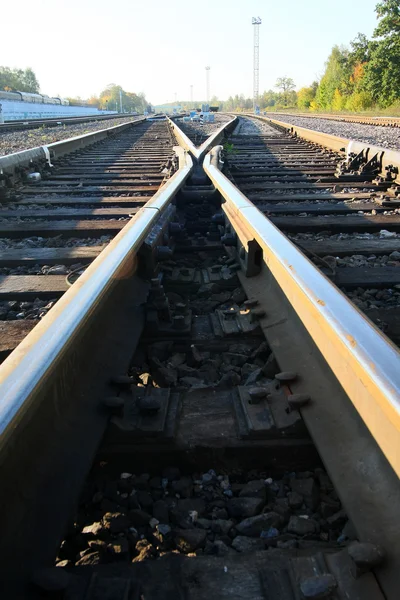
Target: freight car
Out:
[29,97]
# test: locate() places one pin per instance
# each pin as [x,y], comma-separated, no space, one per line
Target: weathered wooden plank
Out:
[29,287]
[352,223]
[74,213]
[115,200]
[49,256]
[259,197]
[12,333]
[100,189]
[353,246]
[321,208]
[66,228]
[366,277]
[312,185]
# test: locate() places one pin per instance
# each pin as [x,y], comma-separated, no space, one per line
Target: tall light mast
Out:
[256,21]
[208,84]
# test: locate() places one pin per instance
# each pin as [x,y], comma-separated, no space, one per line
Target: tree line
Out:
[110,98]
[21,80]
[364,76]
[25,80]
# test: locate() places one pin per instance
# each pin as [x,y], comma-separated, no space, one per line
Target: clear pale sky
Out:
[77,47]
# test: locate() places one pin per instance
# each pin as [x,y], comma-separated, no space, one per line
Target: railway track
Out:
[61,224]
[25,124]
[198,401]
[338,210]
[360,119]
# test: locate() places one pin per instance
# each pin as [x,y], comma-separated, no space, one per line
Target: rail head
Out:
[26,369]
[200,152]
[365,362]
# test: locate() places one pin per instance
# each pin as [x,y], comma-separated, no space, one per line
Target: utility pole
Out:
[256,21]
[120,98]
[208,84]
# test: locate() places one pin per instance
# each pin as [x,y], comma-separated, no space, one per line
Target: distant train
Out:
[28,97]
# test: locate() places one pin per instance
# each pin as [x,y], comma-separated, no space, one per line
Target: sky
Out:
[77,47]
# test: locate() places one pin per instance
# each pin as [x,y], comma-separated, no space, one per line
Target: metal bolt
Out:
[235,267]
[179,322]
[250,303]
[34,177]
[286,376]
[180,307]
[365,556]
[298,400]
[257,394]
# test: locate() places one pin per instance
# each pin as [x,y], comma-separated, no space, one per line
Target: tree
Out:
[360,49]
[268,99]
[305,96]
[336,77]
[286,84]
[388,11]
[19,80]
[382,72]
[29,81]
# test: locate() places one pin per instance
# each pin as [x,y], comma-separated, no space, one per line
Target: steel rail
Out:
[12,164]
[364,361]
[385,156]
[200,152]
[24,372]
[22,124]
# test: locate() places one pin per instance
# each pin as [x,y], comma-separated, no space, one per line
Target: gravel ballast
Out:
[16,141]
[198,131]
[134,518]
[386,137]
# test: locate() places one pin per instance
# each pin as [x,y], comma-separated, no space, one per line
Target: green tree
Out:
[111,97]
[336,77]
[19,80]
[305,96]
[382,72]
[286,84]
[268,99]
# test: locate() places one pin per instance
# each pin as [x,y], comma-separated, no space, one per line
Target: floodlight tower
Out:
[208,84]
[256,21]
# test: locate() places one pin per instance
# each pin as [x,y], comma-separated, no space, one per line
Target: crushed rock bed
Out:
[16,141]
[12,310]
[133,518]
[386,137]
[359,260]
[198,131]
[255,127]
[373,298]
